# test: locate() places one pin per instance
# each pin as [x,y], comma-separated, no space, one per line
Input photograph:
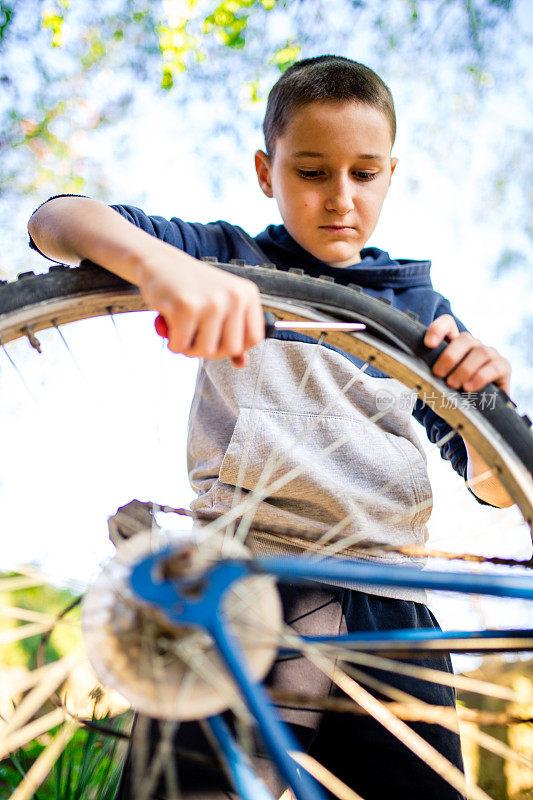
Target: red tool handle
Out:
[162,327]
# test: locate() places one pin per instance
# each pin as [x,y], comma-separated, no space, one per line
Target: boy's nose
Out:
[340,197]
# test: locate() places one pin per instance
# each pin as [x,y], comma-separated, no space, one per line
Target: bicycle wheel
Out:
[392,343]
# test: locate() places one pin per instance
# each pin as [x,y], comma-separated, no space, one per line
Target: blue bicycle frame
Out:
[204,609]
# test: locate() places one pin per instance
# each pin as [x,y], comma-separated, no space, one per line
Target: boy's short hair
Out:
[323,78]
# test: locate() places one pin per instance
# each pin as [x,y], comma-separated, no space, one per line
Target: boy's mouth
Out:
[336,227]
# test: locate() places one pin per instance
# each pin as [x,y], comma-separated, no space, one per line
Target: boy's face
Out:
[330,174]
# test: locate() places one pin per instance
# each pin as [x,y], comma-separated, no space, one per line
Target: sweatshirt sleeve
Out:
[219,240]
[195,238]
[453,448]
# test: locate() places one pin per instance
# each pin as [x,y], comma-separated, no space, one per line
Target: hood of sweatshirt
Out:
[376,270]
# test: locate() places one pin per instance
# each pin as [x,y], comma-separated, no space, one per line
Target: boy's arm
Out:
[209,313]
[469,365]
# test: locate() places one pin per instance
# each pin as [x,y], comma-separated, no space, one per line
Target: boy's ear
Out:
[393,163]
[262,167]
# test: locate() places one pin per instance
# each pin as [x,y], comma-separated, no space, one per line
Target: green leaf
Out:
[21,769]
[167,81]
[86,764]
[53,20]
[287,55]
[6,15]
[96,50]
[253,90]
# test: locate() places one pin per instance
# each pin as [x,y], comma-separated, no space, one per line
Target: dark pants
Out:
[355,748]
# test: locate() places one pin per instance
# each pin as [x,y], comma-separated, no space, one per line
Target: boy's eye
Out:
[309,173]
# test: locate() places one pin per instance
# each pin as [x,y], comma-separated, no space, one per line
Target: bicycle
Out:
[195,579]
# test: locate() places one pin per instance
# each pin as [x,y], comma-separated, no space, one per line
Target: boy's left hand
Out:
[466,363]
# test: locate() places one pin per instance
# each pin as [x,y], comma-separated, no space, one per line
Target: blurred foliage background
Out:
[68,70]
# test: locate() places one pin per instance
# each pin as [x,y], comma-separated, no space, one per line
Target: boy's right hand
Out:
[208,313]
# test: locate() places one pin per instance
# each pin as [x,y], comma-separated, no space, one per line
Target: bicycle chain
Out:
[288,535]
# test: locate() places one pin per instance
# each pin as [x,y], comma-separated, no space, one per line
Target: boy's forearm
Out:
[208,313]
[69,229]
[487,488]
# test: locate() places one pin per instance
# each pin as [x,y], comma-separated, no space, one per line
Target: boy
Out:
[329,130]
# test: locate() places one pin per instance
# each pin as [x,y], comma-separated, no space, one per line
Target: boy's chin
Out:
[341,257]
[334,254]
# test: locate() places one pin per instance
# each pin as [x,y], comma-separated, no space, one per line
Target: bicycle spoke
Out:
[494,745]
[273,461]
[118,334]
[44,763]
[28,615]
[383,715]
[411,708]
[32,730]
[287,534]
[485,688]
[412,509]
[20,582]
[171,770]
[69,350]
[355,538]
[448,718]
[202,666]
[159,763]
[161,759]
[262,490]
[24,632]
[139,753]
[259,493]
[337,547]
[376,709]
[431,714]
[35,698]
[252,502]
[337,787]
[230,530]
[430,674]
[396,727]
[19,373]
[21,683]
